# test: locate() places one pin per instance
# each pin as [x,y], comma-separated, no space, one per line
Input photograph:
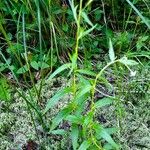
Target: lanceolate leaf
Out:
[23,69]
[140,15]
[84,33]
[103,102]
[86,72]
[127,61]
[54,100]
[74,119]
[35,65]
[74,136]
[61,115]
[5,92]
[84,146]
[60,69]
[102,133]
[74,10]
[58,132]
[86,18]
[111,51]
[83,91]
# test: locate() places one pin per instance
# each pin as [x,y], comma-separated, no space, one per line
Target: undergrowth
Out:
[98,46]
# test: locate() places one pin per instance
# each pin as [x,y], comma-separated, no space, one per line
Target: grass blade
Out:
[140,15]
[54,100]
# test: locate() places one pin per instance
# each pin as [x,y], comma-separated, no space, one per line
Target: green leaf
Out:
[107,146]
[108,138]
[103,102]
[2,67]
[43,65]
[86,72]
[83,91]
[58,132]
[23,69]
[54,100]
[111,51]
[102,133]
[61,115]
[74,136]
[74,119]
[60,69]
[88,3]
[4,90]
[88,119]
[85,145]
[111,130]
[35,65]
[86,18]
[73,63]
[140,15]
[84,33]
[74,10]
[126,61]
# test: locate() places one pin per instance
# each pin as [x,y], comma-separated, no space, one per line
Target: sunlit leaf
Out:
[5,92]
[43,65]
[74,119]
[84,33]
[140,15]
[111,51]
[103,102]
[54,100]
[23,69]
[102,133]
[60,69]
[35,65]
[83,91]
[86,18]
[85,145]
[61,115]
[127,61]
[58,132]
[74,136]
[86,72]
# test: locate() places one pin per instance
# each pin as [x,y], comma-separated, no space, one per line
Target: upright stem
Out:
[77,46]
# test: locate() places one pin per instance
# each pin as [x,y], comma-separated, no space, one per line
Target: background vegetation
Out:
[100,48]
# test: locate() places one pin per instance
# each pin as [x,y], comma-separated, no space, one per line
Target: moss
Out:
[6,121]
[18,127]
[18,123]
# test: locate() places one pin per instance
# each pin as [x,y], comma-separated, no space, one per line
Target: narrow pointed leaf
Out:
[23,69]
[111,51]
[74,119]
[58,132]
[140,15]
[84,90]
[54,100]
[86,72]
[60,69]
[74,136]
[102,133]
[103,102]
[86,18]
[84,146]
[127,61]
[84,33]
[61,115]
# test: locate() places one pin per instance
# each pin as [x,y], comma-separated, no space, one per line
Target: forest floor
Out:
[17,131]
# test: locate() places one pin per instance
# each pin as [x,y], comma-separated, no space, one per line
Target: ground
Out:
[17,130]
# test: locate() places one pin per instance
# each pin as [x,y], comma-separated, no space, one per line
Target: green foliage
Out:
[5,91]
[41,39]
